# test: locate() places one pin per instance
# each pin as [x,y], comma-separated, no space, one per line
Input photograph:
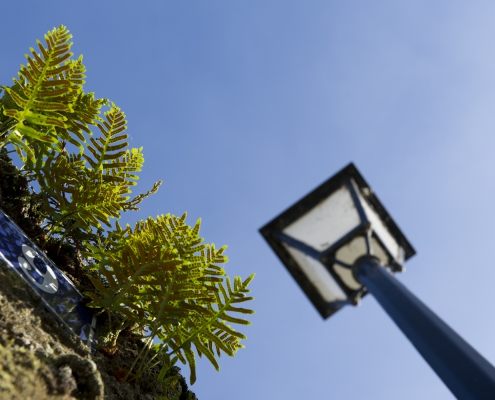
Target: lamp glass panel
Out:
[318,275]
[348,254]
[381,230]
[379,252]
[352,250]
[346,275]
[327,222]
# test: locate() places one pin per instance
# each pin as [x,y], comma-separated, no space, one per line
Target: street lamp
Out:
[339,243]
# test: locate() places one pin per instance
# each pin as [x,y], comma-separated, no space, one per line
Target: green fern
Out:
[46,94]
[162,277]
[159,276]
[150,269]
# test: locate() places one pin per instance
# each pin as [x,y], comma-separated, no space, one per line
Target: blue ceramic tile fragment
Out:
[57,292]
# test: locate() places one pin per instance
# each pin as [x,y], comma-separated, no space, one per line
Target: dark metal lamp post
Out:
[339,243]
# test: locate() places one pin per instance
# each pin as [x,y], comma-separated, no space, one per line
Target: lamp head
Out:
[320,237]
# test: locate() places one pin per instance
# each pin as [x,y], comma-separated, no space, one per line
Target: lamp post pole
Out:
[466,373]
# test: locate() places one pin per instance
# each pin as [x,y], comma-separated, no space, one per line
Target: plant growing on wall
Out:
[158,277]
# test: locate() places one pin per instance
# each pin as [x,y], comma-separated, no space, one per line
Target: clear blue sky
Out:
[245,106]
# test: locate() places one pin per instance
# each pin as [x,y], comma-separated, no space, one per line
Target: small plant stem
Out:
[144,365]
[138,357]
[117,332]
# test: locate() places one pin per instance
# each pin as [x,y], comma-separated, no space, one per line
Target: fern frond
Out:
[133,203]
[189,353]
[206,331]
[109,147]
[85,113]
[42,94]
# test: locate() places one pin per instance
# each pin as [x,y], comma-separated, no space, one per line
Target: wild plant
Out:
[159,276]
